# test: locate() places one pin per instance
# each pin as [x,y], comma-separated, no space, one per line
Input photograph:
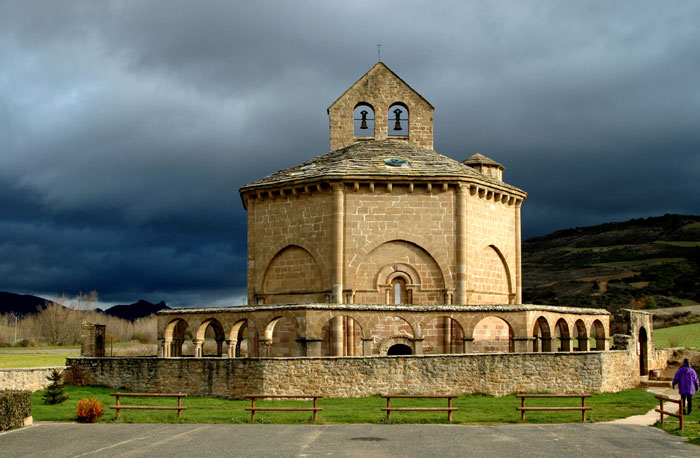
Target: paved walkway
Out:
[420,441]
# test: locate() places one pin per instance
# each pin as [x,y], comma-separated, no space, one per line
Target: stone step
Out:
[656,384]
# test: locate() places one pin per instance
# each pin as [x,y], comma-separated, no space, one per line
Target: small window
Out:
[398,120]
[398,292]
[363,119]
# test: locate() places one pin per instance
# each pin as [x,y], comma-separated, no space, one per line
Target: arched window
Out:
[397,122]
[399,293]
[363,120]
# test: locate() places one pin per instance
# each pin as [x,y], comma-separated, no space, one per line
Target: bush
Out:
[15,406]
[54,392]
[89,410]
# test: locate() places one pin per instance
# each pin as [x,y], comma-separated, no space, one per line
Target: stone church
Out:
[383,246]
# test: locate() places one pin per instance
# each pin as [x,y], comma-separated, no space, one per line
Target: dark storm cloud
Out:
[126,128]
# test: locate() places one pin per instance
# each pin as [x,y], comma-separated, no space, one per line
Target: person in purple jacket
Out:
[687,380]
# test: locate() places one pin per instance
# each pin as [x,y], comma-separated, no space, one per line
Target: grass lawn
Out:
[691,427]
[14,360]
[687,335]
[474,409]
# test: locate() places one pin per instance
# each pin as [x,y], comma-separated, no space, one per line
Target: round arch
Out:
[209,326]
[277,248]
[395,340]
[363,120]
[542,338]
[341,335]
[492,334]
[562,335]
[598,335]
[580,335]
[174,337]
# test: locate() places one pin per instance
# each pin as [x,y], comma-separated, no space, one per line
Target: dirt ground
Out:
[676,360]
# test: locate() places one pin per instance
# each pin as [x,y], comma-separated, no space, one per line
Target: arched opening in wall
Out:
[598,336]
[398,293]
[580,336]
[397,120]
[240,338]
[210,339]
[280,338]
[341,336]
[562,336]
[174,335]
[399,349]
[492,335]
[642,351]
[363,120]
[542,339]
[442,335]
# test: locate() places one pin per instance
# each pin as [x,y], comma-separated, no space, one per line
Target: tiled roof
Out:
[381,159]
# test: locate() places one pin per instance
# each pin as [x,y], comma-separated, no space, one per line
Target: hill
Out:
[136,310]
[641,263]
[21,304]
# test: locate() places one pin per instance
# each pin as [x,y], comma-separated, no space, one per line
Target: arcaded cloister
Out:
[362,330]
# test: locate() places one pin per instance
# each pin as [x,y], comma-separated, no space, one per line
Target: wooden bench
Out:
[523,408]
[449,409]
[253,408]
[663,412]
[179,407]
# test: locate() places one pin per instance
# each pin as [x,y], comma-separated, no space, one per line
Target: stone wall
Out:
[497,374]
[31,379]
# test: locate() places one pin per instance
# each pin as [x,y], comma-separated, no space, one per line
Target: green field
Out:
[13,360]
[640,262]
[687,335]
[477,409]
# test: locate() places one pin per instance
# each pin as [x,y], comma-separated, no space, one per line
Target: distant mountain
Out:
[136,310]
[21,304]
[644,263]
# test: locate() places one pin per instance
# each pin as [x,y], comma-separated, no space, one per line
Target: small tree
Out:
[54,393]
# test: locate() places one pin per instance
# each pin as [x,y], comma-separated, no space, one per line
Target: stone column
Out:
[231,345]
[468,344]
[264,347]
[337,235]
[198,343]
[337,336]
[313,346]
[565,343]
[219,347]
[164,350]
[350,337]
[461,245]
[518,256]
[418,346]
[582,344]
[521,344]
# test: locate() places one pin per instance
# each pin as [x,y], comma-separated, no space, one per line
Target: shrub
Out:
[89,410]
[54,392]
[15,406]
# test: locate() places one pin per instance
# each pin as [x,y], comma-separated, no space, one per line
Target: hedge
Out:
[15,406]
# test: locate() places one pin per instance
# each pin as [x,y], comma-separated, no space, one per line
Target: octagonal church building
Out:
[382,246]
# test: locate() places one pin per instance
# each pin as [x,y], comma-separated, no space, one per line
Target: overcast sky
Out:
[127,128]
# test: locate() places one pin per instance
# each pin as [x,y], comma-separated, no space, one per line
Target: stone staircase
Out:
[657,381]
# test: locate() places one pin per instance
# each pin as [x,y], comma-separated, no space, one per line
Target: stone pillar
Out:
[518,256]
[164,348]
[546,344]
[418,346]
[198,343]
[522,344]
[582,344]
[367,346]
[231,345]
[337,235]
[264,347]
[337,336]
[447,337]
[219,347]
[468,344]
[565,344]
[251,251]
[461,245]
[602,342]
[350,337]
[92,340]
[313,346]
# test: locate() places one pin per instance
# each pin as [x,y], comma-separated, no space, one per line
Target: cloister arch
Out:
[173,337]
[580,335]
[240,340]
[598,336]
[210,329]
[393,341]
[341,336]
[442,335]
[542,338]
[489,280]
[280,338]
[562,336]
[492,334]
[363,120]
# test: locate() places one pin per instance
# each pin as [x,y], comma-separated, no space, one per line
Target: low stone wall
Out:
[497,374]
[29,379]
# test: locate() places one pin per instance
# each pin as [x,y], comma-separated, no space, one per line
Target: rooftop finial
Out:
[379,52]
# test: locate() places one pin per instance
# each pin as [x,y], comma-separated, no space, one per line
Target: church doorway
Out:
[399,349]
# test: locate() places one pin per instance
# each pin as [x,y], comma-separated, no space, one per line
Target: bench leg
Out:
[449,412]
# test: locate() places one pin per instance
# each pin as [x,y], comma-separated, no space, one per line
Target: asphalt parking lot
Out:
[202,440]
